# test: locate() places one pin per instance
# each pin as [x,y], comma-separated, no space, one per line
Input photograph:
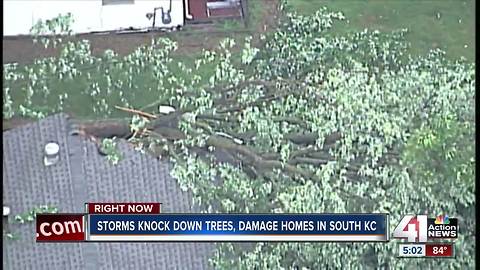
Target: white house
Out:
[95,15]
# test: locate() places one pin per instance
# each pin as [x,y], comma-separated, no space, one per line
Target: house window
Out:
[116,2]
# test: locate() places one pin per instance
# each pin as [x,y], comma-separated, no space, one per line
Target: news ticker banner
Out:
[237,227]
[143,222]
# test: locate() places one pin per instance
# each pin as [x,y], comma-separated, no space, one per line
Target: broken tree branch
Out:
[253,158]
[136,111]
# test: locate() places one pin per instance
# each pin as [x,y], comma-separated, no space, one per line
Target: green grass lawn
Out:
[445,24]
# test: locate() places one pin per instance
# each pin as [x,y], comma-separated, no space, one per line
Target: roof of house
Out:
[83,175]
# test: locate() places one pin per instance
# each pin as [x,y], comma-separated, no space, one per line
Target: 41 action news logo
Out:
[420,228]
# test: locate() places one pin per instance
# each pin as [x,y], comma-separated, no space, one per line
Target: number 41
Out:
[416,228]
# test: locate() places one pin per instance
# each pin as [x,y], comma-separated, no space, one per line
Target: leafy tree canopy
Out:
[306,122]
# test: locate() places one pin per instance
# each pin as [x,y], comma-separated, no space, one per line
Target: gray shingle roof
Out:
[82,175]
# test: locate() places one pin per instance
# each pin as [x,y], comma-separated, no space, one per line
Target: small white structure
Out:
[94,15]
[165,109]
[51,153]
[6,211]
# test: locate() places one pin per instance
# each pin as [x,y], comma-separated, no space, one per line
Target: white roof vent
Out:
[6,211]
[51,153]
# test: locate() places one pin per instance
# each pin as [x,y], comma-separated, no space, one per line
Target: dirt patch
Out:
[16,122]
[23,50]
[270,16]
[369,20]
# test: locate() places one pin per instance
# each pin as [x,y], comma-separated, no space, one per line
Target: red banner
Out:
[60,227]
[123,208]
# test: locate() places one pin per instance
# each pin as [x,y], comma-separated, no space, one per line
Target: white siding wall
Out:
[89,15]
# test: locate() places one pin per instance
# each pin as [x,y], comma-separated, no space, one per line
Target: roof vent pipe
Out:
[51,153]
[6,211]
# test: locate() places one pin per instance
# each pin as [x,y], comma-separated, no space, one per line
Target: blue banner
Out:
[238,227]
